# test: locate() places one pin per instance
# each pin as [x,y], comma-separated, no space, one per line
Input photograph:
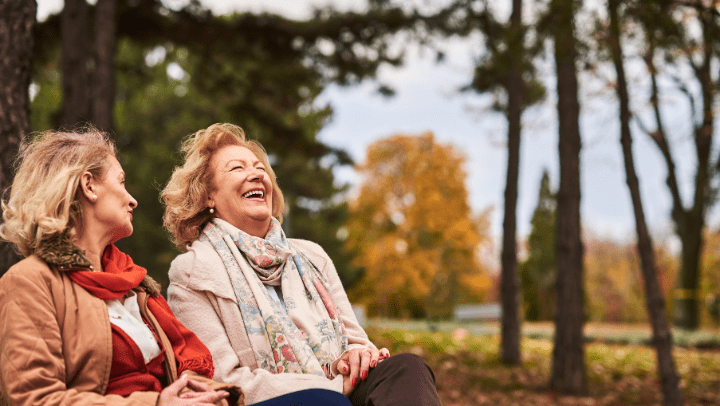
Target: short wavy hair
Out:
[188,190]
[44,198]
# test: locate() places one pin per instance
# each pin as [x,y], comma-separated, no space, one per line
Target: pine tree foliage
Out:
[181,70]
[538,271]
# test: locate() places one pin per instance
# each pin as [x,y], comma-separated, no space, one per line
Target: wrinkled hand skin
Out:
[355,364]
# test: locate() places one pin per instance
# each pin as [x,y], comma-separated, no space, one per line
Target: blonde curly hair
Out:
[45,196]
[187,192]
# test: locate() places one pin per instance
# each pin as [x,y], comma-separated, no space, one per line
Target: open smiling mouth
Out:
[254,194]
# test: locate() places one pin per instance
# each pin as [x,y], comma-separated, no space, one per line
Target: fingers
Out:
[175,387]
[366,356]
[204,397]
[199,386]
[348,387]
[354,360]
[342,366]
[384,353]
[207,397]
[195,395]
[374,357]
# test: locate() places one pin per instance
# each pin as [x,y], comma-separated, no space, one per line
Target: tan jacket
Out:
[202,298]
[55,336]
[55,341]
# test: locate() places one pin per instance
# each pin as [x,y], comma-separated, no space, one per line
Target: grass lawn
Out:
[469,372]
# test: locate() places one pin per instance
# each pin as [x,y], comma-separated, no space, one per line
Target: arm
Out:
[361,354]
[357,338]
[214,319]
[32,365]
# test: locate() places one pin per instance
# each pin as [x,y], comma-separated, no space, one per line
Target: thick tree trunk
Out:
[690,226]
[74,37]
[690,222]
[509,281]
[662,336]
[568,369]
[104,73]
[686,300]
[17,18]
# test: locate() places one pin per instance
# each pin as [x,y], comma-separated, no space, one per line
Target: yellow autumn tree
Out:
[411,230]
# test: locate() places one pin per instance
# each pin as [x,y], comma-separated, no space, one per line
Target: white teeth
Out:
[254,193]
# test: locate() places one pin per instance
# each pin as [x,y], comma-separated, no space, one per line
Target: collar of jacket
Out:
[62,254]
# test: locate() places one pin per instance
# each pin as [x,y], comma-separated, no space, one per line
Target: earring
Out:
[94,197]
[212,210]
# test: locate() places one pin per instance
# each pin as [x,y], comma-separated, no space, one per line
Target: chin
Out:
[122,233]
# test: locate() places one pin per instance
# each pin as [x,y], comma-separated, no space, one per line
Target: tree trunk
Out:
[74,35]
[568,369]
[509,283]
[17,18]
[662,337]
[690,222]
[690,226]
[103,75]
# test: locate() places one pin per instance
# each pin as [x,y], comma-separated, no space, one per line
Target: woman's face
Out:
[114,205]
[242,193]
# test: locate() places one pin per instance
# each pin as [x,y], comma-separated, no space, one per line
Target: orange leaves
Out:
[613,283]
[412,231]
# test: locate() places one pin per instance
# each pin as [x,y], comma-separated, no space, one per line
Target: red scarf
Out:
[121,275]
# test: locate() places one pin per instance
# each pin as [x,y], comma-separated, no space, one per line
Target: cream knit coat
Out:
[202,298]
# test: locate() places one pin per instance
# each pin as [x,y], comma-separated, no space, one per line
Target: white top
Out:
[127,318]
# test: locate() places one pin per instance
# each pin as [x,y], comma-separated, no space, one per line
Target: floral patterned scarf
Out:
[309,335]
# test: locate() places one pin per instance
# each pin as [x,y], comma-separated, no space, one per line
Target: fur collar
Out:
[60,252]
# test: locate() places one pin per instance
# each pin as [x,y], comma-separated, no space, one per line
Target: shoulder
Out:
[199,260]
[200,268]
[31,274]
[315,253]
[31,268]
[309,247]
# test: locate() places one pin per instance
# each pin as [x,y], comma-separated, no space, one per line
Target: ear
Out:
[87,185]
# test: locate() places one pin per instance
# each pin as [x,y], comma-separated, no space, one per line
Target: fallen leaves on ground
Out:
[468,371]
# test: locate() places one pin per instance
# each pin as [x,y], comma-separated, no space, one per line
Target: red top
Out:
[128,372]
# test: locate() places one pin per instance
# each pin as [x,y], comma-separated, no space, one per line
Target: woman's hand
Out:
[202,395]
[355,364]
[348,387]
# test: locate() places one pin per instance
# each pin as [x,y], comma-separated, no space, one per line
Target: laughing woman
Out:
[271,310]
[81,323]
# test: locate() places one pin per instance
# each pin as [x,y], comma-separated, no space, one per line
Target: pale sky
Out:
[427,99]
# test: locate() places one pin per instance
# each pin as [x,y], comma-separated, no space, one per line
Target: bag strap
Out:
[170,365]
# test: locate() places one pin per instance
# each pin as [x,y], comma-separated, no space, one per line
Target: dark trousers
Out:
[400,380]
[308,397]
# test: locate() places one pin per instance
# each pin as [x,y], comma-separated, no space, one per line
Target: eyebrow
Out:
[242,161]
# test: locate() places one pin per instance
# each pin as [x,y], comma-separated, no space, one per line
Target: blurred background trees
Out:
[538,271]
[17,19]
[178,71]
[406,243]
[412,231]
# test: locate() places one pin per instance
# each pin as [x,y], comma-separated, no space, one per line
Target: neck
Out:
[254,228]
[93,246]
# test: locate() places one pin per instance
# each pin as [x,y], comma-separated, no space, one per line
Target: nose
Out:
[133,202]
[256,175]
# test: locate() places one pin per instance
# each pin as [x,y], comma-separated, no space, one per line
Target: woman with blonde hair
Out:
[82,324]
[271,310]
